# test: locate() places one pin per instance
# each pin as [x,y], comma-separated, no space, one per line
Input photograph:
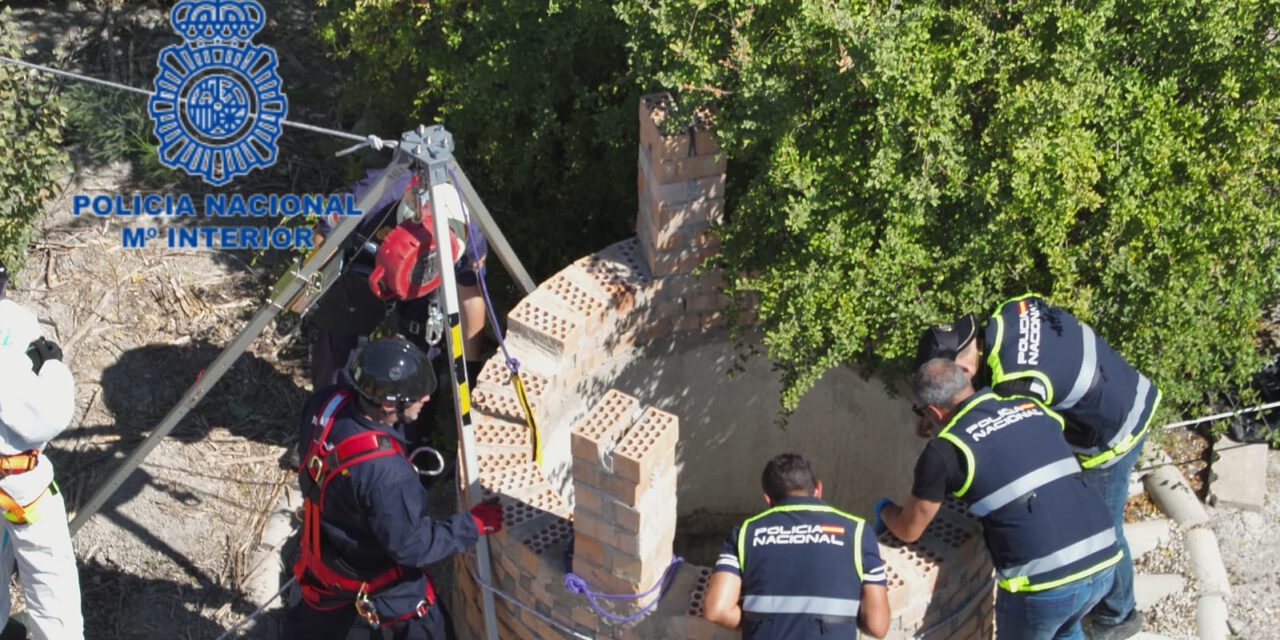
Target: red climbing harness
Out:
[326,586]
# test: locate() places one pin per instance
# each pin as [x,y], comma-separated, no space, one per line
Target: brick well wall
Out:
[609,474]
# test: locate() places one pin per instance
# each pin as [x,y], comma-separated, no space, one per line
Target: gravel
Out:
[1250,544]
[1174,616]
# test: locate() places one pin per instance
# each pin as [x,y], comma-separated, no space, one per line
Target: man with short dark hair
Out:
[802,569]
[1030,347]
[366,535]
[1049,535]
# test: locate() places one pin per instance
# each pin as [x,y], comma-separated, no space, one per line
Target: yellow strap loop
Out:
[529,419]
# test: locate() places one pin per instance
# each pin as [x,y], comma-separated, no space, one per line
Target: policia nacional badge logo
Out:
[218,105]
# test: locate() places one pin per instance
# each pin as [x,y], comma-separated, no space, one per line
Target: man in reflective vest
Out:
[802,569]
[366,537]
[37,401]
[1049,534]
[1030,347]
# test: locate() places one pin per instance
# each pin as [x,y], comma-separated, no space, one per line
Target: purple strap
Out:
[575,584]
[512,363]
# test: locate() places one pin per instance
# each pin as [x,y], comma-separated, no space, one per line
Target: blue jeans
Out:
[1054,614]
[1113,484]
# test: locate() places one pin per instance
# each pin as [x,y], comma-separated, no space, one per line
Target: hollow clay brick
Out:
[647,442]
[495,461]
[665,263]
[496,374]
[544,328]
[700,212]
[681,191]
[595,434]
[493,432]
[577,299]
[513,479]
[707,303]
[689,168]
[714,320]
[684,143]
[619,269]
[687,322]
[630,493]
[671,235]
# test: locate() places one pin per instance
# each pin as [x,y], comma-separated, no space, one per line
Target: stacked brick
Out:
[680,177]
[940,586]
[608,477]
[624,482]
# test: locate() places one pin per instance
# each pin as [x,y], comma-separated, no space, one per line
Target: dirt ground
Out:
[167,556]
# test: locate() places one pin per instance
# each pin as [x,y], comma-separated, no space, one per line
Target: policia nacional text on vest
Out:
[802,571]
[1043,526]
[1107,402]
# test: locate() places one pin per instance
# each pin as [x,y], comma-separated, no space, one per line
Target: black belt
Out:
[820,617]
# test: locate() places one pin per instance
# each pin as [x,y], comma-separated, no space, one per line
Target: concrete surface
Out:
[1211,618]
[1150,588]
[1206,562]
[860,440]
[1239,475]
[1250,545]
[1145,536]
[1170,491]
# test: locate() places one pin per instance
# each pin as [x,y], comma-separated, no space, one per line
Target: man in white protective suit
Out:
[37,399]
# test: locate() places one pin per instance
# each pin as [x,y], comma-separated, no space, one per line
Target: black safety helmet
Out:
[393,370]
[946,340]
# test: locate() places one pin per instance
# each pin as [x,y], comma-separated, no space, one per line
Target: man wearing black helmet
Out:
[366,535]
[1031,348]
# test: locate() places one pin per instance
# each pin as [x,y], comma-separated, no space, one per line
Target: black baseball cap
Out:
[947,339]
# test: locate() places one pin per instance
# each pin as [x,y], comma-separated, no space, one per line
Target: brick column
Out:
[680,179]
[624,482]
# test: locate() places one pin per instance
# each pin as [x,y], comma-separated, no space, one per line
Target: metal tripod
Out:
[428,151]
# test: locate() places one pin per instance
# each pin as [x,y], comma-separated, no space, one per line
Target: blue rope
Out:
[576,584]
[512,363]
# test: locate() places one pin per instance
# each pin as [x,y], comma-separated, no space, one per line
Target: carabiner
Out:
[366,609]
[439,462]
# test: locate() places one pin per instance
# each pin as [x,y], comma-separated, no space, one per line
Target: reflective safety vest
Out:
[801,560]
[326,583]
[1043,525]
[1074,372]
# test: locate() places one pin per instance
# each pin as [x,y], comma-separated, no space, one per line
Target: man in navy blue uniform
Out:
[801,569]
[1049,535]
[366,536]
[1030,347]
[350,309]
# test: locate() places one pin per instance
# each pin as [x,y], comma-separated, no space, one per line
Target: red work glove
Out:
[488,516]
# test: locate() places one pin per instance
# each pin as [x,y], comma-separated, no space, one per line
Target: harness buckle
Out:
[315,467]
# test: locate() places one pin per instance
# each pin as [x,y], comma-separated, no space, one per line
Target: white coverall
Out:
[33,410]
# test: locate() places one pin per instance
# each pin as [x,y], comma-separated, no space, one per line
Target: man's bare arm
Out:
[908,523]
[721,604]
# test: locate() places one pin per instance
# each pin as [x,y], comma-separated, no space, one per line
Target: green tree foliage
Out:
[535,94]
[30,121]
[897,163]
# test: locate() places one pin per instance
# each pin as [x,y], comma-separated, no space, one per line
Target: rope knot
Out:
[574,583]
